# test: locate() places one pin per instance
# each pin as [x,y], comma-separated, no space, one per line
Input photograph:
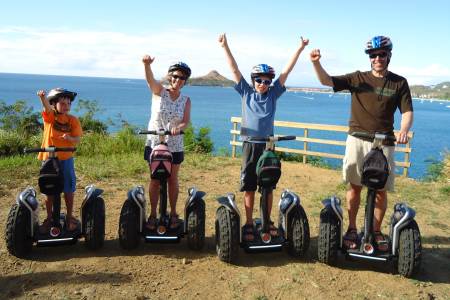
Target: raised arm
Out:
[290,65]
[45,104]
[322,75]
[152,83]
[231,61]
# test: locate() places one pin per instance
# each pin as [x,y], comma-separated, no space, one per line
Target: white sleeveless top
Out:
[166,114]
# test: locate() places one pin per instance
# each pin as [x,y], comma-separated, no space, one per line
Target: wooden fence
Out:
[306,139]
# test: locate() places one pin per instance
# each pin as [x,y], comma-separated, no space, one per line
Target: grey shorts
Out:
[250,155]
[355,150]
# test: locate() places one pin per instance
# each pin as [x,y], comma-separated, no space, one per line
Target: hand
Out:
[304,43]
[223,40]
[175,131]
[41,94]
[315,55]
[402,137]
[147,60]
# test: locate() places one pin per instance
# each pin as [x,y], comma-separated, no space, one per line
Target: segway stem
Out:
[162,199]
[370,207]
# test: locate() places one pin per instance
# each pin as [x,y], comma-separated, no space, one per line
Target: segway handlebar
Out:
[50,149]
[372,136]
[273,138]
[157,132]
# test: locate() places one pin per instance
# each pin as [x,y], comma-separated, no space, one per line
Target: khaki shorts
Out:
[355,150]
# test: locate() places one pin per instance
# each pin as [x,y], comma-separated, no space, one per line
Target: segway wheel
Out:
[18,241]
[329,233]
[409,250]
[196,226]
[129,226]
[227,235]
[298,233]
[95,224]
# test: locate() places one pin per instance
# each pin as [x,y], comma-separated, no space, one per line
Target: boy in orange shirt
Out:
[60,130]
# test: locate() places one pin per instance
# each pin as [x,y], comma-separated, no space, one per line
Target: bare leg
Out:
[68,197]
[174,189]
[153,191]
[353,197]
[249,201]
[380,210]
[49,206]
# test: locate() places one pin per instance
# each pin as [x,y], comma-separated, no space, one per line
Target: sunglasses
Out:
[263,81]
[179,77]
[380,55]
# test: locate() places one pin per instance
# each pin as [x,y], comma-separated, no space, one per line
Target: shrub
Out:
[20,118]
[200,143]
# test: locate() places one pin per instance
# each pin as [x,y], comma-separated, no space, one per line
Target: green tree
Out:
[87,120]
[198,143]
[20,118]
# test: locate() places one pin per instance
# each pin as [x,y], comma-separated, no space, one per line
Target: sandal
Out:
[249,232]
[45,226]
[272,229]
[71,223]
[380,241]
[151,223]
[174,222]
[350,239]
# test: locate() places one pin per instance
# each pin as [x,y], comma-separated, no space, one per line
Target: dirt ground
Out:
[161,271]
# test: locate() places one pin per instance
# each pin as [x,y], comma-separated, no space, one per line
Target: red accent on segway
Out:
[161,162]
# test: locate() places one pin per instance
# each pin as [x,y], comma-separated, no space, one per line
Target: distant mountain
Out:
[438,91]
[213,78]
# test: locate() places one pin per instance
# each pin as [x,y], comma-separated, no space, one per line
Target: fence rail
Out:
[306,140]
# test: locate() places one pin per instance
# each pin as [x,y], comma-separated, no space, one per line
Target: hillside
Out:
[213,78]
[439,91]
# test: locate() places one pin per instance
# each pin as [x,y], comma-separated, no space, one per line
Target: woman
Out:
[170,110]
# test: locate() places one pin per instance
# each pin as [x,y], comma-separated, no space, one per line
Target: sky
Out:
[108,39]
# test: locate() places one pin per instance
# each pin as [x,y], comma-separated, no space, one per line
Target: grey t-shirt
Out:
[258,110]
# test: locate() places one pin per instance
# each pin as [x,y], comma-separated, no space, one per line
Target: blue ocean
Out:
[129,100]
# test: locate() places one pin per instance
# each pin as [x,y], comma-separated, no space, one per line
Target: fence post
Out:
[405,168]
[233,147]
[305,144]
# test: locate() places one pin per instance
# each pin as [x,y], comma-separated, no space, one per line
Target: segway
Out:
[133,214]
[404,239]
[22,227]
[293,228]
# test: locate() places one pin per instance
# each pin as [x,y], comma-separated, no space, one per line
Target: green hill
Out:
[438,91]
[213,78]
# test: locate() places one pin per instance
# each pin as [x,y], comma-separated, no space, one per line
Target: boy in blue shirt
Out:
[258,114]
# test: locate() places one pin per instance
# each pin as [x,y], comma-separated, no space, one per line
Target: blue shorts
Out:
[68,170]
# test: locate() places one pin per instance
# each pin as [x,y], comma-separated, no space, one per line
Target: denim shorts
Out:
[68,170]
[177,157]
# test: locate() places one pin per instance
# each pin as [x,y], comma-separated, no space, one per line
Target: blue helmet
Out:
[180,66]
[262,69]
[378,43]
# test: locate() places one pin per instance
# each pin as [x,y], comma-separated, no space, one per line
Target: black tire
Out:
[409,250]
[95,224]
[196,226]
[18,241]
[298,233]
[129,226]
[329,235]
[227,235]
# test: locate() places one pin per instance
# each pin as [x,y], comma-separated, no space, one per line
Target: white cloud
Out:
[426,75]
[116,54]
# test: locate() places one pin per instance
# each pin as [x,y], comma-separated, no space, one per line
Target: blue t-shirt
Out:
[258,110]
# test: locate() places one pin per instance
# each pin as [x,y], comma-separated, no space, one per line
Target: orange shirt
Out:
[55,125]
